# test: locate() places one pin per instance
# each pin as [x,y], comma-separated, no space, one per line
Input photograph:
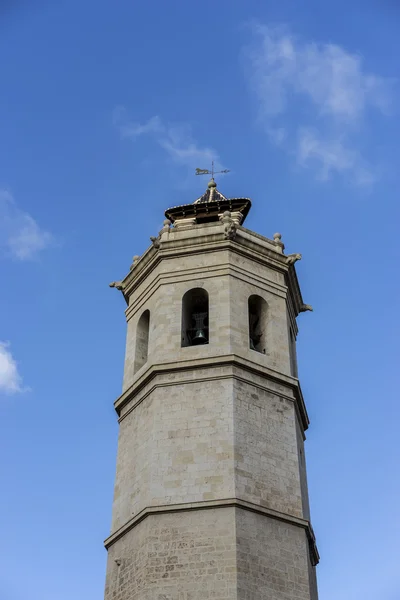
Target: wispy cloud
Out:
[20,235]
[313,100]
[10,379]
[332,154]
[176,139]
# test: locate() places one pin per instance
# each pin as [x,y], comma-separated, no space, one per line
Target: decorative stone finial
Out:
[135,260]
[166,226]
[278,242]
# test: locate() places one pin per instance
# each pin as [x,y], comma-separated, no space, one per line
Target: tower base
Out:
[224,553]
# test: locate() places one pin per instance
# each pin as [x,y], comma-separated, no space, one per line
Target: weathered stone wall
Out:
[275,335]
[176,556]
[207,435]
[266,458]
[176,447]
[272,559]
[301,457]
[220,554]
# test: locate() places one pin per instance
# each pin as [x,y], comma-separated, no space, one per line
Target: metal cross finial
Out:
[212,172]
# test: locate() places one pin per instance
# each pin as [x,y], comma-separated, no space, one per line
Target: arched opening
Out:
[195,317]
[257,323]
[142,340]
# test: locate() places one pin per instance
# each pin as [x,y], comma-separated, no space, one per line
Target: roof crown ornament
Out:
[211,183]
[210,206]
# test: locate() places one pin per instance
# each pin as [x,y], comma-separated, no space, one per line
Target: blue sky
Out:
[106,108]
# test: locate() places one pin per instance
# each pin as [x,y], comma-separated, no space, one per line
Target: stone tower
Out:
[211,496]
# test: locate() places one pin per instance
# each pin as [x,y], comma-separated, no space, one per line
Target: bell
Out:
[199,337]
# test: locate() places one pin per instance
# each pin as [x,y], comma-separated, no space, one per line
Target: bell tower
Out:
[210,498]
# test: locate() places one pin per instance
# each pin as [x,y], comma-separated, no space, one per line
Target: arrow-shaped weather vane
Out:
[212,172]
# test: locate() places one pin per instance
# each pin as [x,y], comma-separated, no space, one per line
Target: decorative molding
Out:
[246,243]
[215,504]
[232,360]
[180,223]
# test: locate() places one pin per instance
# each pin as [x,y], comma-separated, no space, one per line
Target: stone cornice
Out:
[132,282]
[215,504]
[212,239]
[206,238]
[212,362]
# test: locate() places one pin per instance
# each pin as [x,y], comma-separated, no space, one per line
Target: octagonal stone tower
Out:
[211,496]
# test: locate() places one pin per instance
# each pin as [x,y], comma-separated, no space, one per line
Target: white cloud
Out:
[10,379]
[176,140]
[129,129]
[20,235]
[314,98]
[332,155]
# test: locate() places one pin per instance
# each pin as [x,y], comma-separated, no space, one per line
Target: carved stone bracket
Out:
[117,284]
[305,308]
[155,241]
[237,217]
[292,258]
[230,225]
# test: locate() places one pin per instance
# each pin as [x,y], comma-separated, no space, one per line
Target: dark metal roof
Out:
[211,194]
[208,209]
[209,206]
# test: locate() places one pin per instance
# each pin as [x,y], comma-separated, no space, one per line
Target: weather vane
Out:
[212,172]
